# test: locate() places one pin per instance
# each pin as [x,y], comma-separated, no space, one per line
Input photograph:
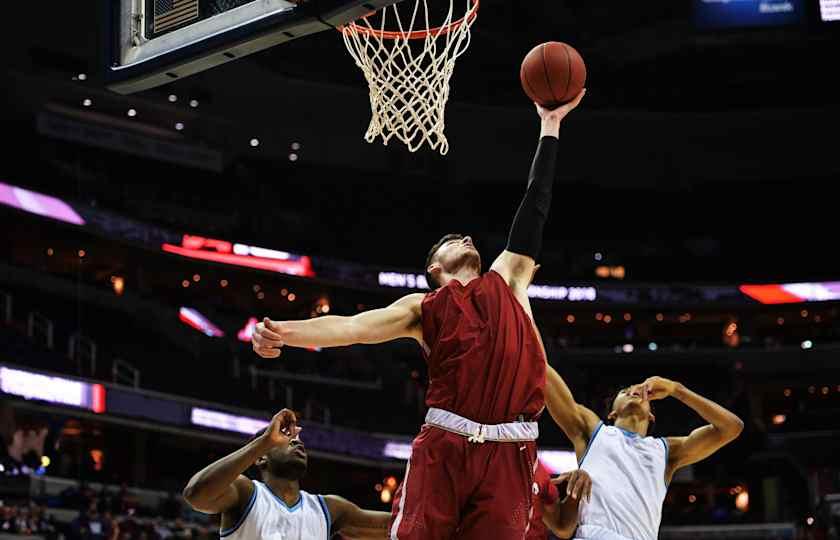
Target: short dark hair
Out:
[433,283]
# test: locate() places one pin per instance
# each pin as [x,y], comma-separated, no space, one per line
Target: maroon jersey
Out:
[485,361]
[546,496]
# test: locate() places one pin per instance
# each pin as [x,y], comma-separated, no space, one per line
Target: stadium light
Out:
[742,501]
[119,285]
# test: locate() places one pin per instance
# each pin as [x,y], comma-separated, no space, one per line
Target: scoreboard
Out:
[710,14]
[830,10]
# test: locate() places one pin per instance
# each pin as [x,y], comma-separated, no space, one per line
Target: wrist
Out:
[550,127]
[262,444]
[679,391]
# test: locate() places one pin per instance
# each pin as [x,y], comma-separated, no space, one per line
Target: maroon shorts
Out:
[457,489]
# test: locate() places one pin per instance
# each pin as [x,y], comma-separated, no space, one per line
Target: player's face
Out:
[631,401]
[455,254]
[288,461]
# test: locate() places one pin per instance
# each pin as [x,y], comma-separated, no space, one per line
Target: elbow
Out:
[738,427]
[734,429]
[565,531]
[562,519]
[191,495]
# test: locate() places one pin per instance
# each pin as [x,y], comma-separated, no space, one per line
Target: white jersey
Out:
[267,517]
[628,485]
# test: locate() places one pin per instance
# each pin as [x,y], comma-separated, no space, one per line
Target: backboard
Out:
[149,43]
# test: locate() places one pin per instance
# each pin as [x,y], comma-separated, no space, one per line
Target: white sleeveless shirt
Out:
[628,485]
[267,517]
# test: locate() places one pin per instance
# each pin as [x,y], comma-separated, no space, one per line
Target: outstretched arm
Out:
[399,320]
[355,523]
[723,428]
[516,263]
[576,421]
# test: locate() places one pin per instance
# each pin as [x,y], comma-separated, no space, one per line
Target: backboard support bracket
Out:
[134,62]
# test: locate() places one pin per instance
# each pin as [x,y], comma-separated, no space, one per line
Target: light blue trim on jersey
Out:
[591,440]
[323,504]
[628,433]
[251,501]
[667,455]
[295,507]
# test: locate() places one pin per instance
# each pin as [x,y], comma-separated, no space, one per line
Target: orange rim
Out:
[417,34]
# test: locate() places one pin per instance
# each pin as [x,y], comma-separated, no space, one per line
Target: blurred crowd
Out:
[26,519]
[117,517]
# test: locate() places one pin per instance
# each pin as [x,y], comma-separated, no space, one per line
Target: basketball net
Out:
[408,71]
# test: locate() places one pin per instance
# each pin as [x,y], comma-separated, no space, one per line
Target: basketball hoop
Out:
[408,71]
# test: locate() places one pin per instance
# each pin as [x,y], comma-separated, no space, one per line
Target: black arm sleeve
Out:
[526,233]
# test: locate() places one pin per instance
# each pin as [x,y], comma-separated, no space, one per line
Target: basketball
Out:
[552,74]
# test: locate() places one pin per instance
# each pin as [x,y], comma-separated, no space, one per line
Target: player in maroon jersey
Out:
[471,469]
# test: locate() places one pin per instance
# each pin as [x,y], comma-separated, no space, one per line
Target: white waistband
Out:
[511,432]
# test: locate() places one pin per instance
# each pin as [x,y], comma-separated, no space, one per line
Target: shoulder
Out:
[493,276]
[430,300]
[590,422]
[319,501]
[495,283]
[247,497]
[336,507]
[245,488]
[412,303]
[673,447]
[412,300]
[601,428]
[335,504]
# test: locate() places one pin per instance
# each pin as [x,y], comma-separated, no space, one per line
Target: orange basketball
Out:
[552,74]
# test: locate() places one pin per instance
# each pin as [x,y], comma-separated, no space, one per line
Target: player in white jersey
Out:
[276,508]
[630,471]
